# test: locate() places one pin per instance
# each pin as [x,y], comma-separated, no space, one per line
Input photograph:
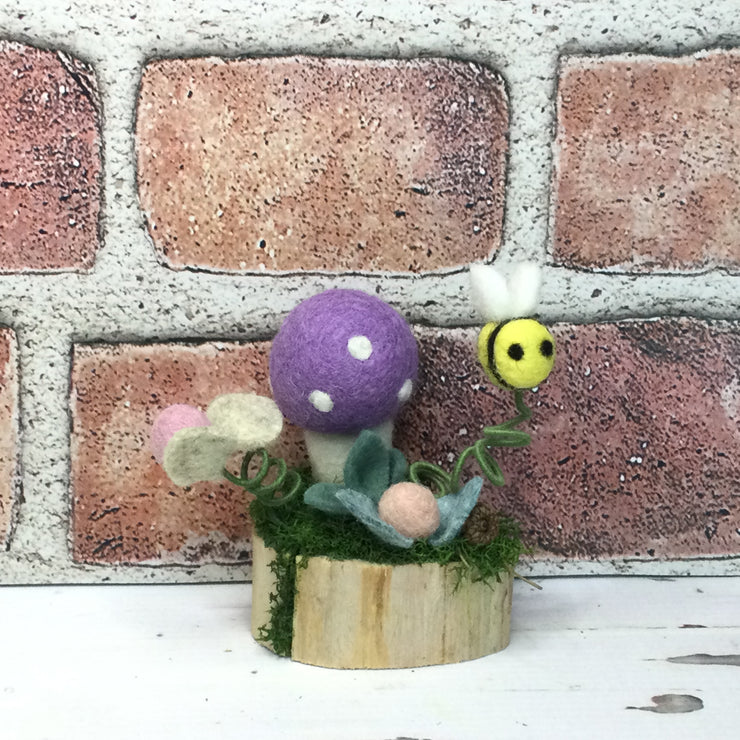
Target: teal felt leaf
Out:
[399,467]
[323,496]
[454,509]
[365,510]
[368,465]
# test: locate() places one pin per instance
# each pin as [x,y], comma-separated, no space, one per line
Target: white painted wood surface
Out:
[160,662]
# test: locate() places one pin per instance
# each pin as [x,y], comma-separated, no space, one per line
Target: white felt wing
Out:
[489,292]
[524,285]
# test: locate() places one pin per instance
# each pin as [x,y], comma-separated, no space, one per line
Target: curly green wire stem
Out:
[525,413]
[430,475]
[501,435]
[287,482]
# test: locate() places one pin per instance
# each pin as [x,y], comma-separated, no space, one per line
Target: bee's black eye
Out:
[546,348]
[515,351]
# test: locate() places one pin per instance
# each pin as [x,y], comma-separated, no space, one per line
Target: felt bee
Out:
[514,350]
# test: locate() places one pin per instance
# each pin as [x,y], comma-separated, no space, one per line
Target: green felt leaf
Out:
[454,509]
[323,496]
[365,510]
[368,466]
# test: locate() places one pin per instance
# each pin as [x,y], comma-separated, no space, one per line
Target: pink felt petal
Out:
[171,420]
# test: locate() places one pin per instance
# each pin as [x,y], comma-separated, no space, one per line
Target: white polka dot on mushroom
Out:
[405,393]
[360,347]
[321,401]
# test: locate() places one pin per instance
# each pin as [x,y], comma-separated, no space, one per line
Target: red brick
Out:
[124,507]
[636,444]
[9,481]
[49,161]
[635,450]
[647,170]
[306,163]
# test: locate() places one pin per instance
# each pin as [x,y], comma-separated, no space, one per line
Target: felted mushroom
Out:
[343,361]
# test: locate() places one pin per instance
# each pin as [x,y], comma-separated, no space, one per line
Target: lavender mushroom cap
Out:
[342,361]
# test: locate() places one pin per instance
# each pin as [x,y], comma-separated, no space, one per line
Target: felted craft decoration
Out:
[410,509]
[194,446]
[365,560]
[397,512]
[481,527]
[343,361]
[515,351]
[171,420]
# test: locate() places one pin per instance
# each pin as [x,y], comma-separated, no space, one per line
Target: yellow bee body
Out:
[518,353]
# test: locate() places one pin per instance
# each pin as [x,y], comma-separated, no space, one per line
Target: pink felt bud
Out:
[171,420]
[410,509]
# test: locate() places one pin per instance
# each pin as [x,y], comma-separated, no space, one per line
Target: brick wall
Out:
[174,180]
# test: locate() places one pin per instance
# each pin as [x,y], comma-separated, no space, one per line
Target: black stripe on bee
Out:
[492,358]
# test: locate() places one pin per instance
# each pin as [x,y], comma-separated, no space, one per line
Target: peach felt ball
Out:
[173,419]
[410,509]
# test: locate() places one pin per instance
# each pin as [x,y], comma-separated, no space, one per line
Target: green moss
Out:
[292,528]
[296,529]
[278,632]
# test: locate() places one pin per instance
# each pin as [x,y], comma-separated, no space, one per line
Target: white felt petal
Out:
[251,421]
[196,454]
[489,292]
[524,285]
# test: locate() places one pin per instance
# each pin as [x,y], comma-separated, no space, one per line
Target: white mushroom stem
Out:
[328,452]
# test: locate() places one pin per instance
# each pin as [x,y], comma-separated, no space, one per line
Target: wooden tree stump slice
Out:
[354,614]
[263,584]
